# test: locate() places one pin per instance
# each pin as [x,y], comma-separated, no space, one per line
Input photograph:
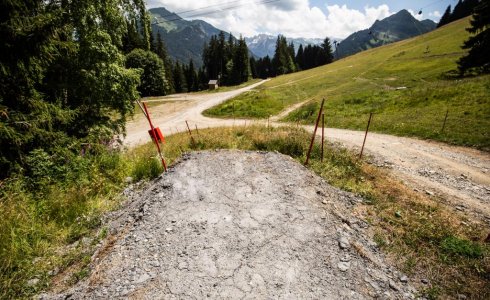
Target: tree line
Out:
[286,60]
[462,9]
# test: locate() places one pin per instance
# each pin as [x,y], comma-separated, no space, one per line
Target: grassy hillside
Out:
[406,84]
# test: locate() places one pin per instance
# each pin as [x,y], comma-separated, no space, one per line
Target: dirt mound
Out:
[234,224]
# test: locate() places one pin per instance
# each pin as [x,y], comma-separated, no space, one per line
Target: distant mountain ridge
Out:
[184,39]
[397,27]
[264,44]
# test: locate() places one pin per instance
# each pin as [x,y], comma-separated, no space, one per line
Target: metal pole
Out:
[190,133]
[314,132]
[323,134]
[154,135]
[445,119]
[365,135]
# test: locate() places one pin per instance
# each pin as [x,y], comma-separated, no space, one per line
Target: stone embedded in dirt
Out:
[393,285]
[430,193]
[344,243]
[343,266]
[403,278]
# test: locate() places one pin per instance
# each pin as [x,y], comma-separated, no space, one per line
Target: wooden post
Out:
[190,133]
[314,133]
[445,119]
[155,137]
[197,130]
[323,134]
[365,135]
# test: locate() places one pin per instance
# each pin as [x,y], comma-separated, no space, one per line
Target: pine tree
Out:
[253,67]
[282,62]
[479,44]
[300,58]
[161,51]
[179,79]
[241,69]
[446,17]
[327,50]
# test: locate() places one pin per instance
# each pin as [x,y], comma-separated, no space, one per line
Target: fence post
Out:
[323,134]
[365,135]
[190,133]
[445,119]
[314,132]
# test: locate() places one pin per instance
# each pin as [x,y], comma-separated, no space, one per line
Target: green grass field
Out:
[408,85]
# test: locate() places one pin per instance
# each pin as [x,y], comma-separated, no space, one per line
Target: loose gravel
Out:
[239,225]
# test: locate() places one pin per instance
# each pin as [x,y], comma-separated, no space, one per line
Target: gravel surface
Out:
[239,225]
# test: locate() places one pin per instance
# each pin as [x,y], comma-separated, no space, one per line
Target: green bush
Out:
[459,247]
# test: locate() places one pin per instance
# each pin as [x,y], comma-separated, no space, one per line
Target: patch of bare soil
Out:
[240,224]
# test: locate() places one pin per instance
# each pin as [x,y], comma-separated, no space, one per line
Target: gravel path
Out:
[239,225]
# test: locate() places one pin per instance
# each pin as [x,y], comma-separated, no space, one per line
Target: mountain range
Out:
[397,27]
[185,39]
[263,44]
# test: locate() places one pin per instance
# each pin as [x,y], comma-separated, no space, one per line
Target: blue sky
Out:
[415,5]
[299,18]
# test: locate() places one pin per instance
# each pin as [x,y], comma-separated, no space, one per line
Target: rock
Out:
[344,243]
[429,193]
[128,179]
[398,214]
[393,285]
[424,281]
[404,279]
[168,229]
[142,278]
[461,297]
[343,266]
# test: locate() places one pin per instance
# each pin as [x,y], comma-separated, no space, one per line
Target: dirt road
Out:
[206,231]
[458,176]
[171,119]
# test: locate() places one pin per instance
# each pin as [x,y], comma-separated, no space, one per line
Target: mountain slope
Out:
[404,84]
[397,27]
[264,44]
[184,39]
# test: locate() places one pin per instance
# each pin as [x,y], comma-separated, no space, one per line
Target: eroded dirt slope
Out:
[240,225]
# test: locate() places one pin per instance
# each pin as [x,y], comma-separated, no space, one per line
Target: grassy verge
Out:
[407,84]
[44,227]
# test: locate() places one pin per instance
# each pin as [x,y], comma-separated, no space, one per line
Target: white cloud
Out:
[435,15]
[293,18]
[416,15]
[342,21]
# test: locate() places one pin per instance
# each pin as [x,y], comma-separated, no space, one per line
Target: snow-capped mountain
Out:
[264,44]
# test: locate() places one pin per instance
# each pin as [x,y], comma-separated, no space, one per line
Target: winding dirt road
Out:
[458,176]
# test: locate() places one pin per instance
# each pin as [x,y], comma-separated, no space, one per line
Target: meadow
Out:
[409,86]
